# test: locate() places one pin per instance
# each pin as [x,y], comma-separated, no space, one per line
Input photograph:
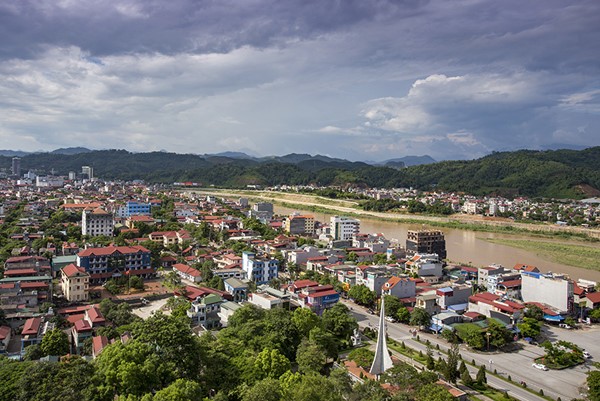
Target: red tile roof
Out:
[98,344]
[31,326]
[71,270]
[593,296]
[82,325]
[185,269]
[95,316]
[4,332]
[109,250]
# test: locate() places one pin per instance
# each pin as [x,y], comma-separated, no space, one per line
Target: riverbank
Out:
[318,204]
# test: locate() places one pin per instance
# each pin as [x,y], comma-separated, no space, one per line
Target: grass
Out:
[582,256]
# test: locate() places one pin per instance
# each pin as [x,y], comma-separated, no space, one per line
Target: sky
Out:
[356,79]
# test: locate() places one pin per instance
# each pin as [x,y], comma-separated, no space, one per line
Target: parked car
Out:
[586,354]
[565,326]
[540,366]
[390,319]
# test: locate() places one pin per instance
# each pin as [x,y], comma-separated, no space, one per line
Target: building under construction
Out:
[425,241]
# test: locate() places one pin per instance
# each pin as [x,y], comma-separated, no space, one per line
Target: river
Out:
[465,246]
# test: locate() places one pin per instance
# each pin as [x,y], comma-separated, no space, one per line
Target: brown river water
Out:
[465,246]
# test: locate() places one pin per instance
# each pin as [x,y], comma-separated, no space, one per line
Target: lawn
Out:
[585,257]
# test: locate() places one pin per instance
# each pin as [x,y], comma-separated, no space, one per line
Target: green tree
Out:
[310,357]
[339,322]
[534,312]
[370,390]
[313,387]
[33,353]
[530,327]
[180,390]
[305,320]
[362,356]
[362,295]
[326,340]
[55,342]
[392,306]
[499,335]
[420,317]
[593,382]
[430,362]
[434,392]
[466,378]
[481,376]
[403,315]
[473,337]
[268,389]
[450,371]
[271,363]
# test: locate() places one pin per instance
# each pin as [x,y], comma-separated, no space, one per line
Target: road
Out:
[565,384]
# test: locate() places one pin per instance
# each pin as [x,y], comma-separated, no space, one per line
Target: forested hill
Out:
[559,174]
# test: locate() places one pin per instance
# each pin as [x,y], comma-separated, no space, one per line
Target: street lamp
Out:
[488,334]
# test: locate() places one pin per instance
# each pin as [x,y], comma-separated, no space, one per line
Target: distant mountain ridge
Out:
[558,174]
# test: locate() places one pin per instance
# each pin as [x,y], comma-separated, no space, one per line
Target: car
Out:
[586,354]
[565,326]
[540,366]
[371,311]
[390,319]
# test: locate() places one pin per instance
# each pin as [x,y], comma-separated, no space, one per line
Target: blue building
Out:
[133,208]
[115,261]
[259,270]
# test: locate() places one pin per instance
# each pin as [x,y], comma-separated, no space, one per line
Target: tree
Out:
[172,281]
[33,353]
[530,327]
[305,320]
[362,295]
[466,378]
[403,315]
[481,376]
[430,363]
[472,336]
[326,341]
[499,335]
[271,363]
[370,390]
[55,342]
[450,371]
[392,306]
[420,317]
[268,389]
[136,282]
[434,392]
[178,306]
[534,312]
[179,390]
[593,382]
[339,322]
[312,387]
[362,356]
[310,357]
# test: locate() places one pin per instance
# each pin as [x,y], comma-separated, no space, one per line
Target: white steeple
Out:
[382,360]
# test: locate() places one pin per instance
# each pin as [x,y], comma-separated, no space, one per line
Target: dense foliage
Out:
[559,174]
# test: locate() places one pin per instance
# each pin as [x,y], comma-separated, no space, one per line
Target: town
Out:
[89,266]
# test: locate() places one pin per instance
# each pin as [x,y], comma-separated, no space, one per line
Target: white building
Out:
[97,222]
[49,182]
[344,228]
[259,270]
[425,265]
[554,290]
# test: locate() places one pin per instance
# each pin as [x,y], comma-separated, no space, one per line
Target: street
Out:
[566,383]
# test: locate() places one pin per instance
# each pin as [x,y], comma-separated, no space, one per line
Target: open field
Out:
[583,256]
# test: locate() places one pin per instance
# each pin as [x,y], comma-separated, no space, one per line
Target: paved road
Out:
[565,384]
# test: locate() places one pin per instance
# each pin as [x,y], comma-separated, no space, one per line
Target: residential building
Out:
[259,270]
[74,282]
[318,298]
[5,334]
[81,331]
[493,306]
[426,241]
[428,301]
[455,298]
[484,272]
[205,311]
[554,290]
[87,172]
[399,287]
[115,261]
[228,308]
[33,332]
[425,265]
[344,228]
[187,272]
[300,224]
[270,298]
[237,288]
[97,222]
[49,182]
[133,208]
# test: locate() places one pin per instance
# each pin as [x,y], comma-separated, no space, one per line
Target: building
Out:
[187,272]
[425,241]
[237,288]
[270,298]
[16,166]
[493,306]
[133,208]
[97,222]
[318,298]
[87,172]
[228,308]
[554,290]
[74,282]
[259,270]
[300,224]
[455,298]
[425,265]
[344,228]
[399,287]
[484,273]
[49,182]
[205,311]
[115,261]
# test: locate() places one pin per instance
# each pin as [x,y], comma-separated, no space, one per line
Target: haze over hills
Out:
[559,174]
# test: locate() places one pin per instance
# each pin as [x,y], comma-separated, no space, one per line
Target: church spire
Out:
[382,360]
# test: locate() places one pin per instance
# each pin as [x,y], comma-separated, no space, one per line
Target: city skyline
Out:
[370,80]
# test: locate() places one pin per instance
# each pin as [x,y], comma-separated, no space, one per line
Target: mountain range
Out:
[551,174]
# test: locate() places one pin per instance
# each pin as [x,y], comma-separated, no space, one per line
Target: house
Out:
[259,270]
[187,272]
[399,287]
[5,333]
[425,265]
[443,321]
[270,298]
[74,282]
[33,332]
[484,272]
[81,331]
[98,344]
[97,222]
[492,306]
[554,290]
[297,224]
[237,288]
[455,298]
[205,311]
[428,301]
[592,300]
[228,308]
[318,298]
